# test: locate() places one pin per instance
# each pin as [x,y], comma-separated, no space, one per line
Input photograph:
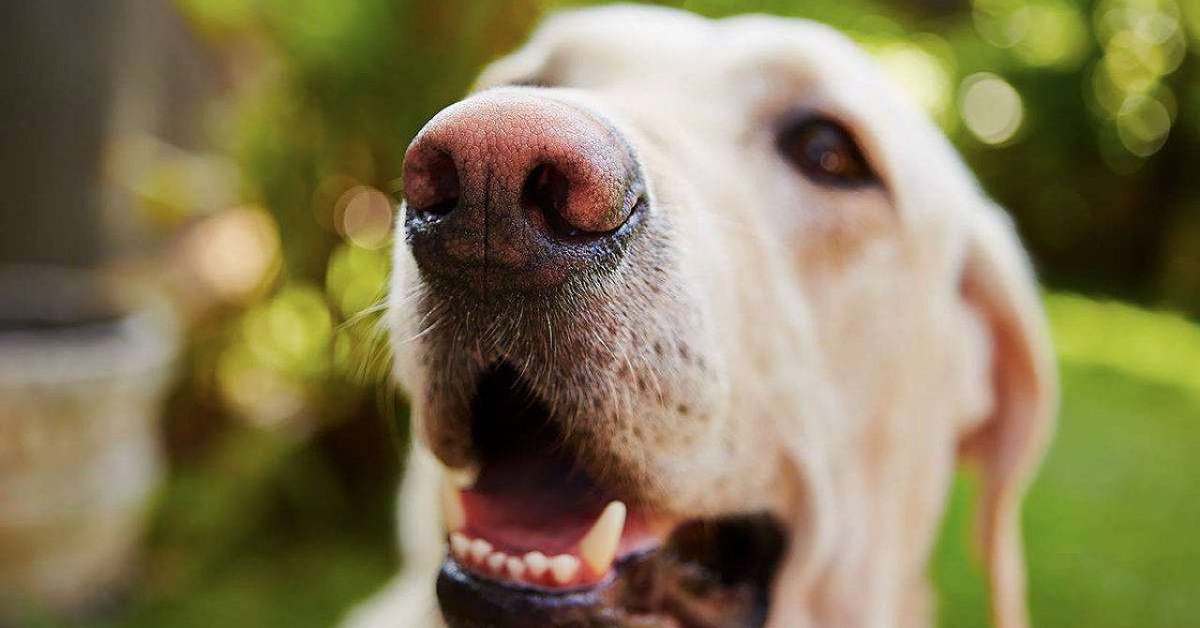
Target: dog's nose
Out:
[512,188]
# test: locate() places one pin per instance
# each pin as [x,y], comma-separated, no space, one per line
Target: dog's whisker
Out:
[380,305]
[434,319]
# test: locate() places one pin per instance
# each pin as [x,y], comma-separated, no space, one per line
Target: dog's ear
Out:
[999,285]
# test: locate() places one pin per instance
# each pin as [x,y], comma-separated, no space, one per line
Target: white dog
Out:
[697,319]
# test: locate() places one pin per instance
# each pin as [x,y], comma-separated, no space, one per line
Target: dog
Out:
[698,319]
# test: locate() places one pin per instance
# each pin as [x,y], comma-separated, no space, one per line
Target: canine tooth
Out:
[496,561]
[460,545]
[537,563]
[480,549]
[463,478]
[599,545]
[453,513]
[515,568]
[564,568]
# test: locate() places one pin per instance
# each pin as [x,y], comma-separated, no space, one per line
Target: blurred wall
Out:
[77,73]
[52,119]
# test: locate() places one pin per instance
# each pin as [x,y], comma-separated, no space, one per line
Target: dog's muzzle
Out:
[518,203]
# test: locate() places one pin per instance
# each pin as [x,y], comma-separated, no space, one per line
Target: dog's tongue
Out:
[533,515]
[538,504]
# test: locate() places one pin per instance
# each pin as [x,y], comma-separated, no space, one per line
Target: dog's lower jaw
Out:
[409,603]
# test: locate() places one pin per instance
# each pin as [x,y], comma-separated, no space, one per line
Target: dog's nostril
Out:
[546,191]
[432,188]
[514,190]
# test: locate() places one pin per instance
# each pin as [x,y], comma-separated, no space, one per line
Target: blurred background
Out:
[195,425]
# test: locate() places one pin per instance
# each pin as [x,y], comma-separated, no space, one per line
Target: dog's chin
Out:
[538,538]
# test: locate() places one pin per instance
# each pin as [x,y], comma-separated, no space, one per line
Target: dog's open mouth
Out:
[536,540]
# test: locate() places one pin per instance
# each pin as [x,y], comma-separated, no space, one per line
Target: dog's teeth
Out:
[480,550]
[599,545]
[453,513]
[496,561]
[537,564]
[515,568]
[460,545]
[564,568]
[463,478]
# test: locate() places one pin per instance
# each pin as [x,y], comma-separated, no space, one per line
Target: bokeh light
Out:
[991,108]
[260,395]
[1053,34]
[1143,124]
[1045,33]
[366,216]
[920,74]
[234,251]
[328,200]
[1144,43]
[291,331]
[355,278]
[284,343]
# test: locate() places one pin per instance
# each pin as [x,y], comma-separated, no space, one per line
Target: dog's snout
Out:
[518,189]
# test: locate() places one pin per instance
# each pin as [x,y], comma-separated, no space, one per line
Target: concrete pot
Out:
[82,375]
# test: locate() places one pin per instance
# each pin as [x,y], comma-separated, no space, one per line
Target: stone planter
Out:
[82,376]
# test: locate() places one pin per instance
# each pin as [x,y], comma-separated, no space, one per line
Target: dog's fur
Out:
[829,355]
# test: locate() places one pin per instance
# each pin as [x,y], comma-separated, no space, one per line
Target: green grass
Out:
[1112,524]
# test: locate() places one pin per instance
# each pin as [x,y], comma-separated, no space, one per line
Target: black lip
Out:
[468,601]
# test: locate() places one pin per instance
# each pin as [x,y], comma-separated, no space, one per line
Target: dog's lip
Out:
[462,592]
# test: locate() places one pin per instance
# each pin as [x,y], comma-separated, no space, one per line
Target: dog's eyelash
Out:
[532,81]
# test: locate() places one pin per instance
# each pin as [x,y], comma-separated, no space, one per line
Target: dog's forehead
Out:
[677,73]
[666,48]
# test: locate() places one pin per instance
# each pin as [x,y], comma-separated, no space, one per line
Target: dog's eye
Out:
[825,152]
[531,81]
